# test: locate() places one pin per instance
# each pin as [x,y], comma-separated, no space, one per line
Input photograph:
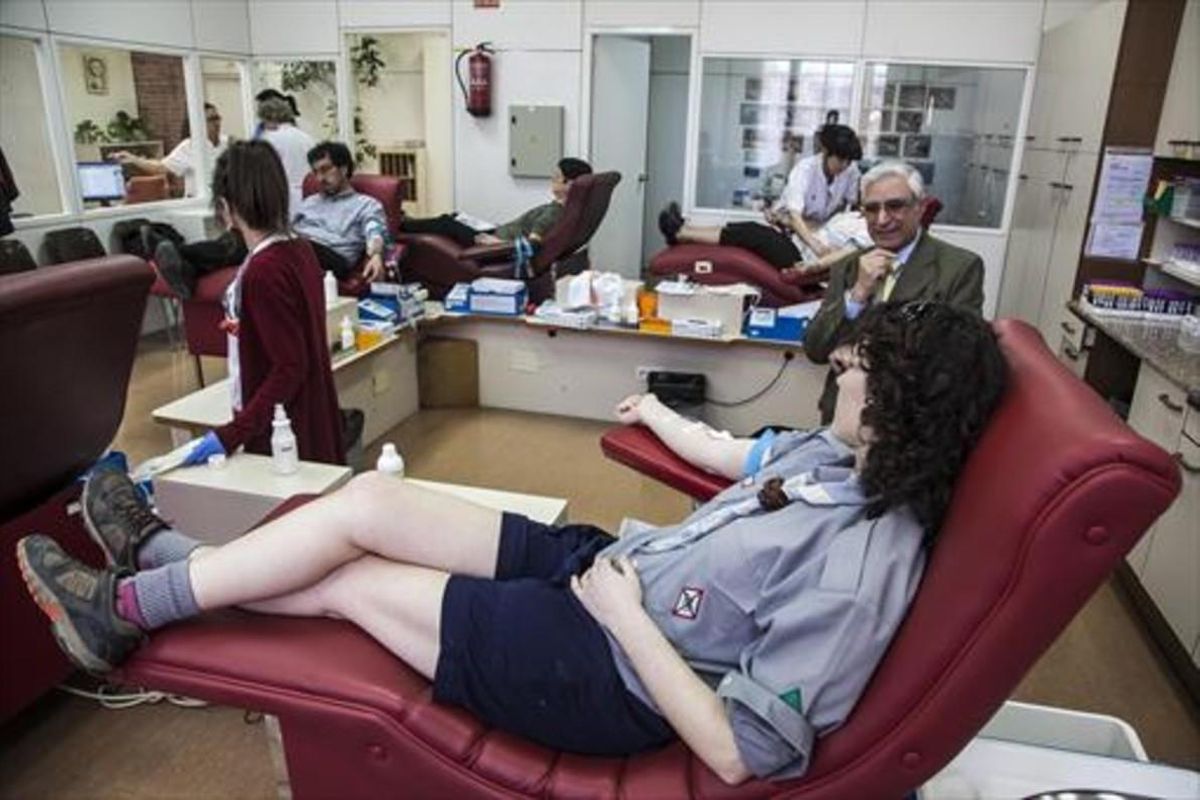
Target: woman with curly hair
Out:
[747,630]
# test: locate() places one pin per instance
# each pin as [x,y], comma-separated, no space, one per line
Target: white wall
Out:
[223,88]
[163,22]
[222,25]
[100,108]
[1180,117]
[293,27]
[23,130]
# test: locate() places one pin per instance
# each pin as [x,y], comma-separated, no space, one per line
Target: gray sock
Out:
[164,594]
[163,547]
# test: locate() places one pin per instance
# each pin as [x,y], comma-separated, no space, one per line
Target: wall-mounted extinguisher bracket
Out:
[477,89]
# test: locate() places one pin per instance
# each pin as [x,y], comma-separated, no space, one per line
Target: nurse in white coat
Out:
[278,119]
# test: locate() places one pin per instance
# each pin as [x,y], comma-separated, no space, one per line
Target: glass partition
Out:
[756,117]
[955,124]
[24,134]
[126,110]
[313,87]
[222,84]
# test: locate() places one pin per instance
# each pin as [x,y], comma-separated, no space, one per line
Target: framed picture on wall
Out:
[885,122]
[912,95]
[909,121]
[887,145]
[917,146]
[942,97]
[753,89]
[750,114]
[753,138]
[95,74]
[889,94]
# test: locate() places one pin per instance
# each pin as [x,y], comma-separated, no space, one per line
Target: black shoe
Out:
[117,516]
[668,225]
[676,214]
[80,602]
[175,269]
[150,240]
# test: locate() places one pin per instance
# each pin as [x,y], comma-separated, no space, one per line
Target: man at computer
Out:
[180,161]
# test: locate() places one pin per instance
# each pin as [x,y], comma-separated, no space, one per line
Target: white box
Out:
[721,304]
[1064,729]
[216,505]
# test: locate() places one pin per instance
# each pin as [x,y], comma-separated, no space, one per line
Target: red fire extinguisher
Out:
[479,73]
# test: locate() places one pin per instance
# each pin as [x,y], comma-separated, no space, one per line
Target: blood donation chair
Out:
[439,263]
[720,265]
[1056,493]
[202,314]
[70,333]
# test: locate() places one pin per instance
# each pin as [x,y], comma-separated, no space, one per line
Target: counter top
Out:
[1154,342]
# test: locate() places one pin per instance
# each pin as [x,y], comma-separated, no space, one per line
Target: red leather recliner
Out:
[720,265]
[1054,496]
[70,333]
[439,263]
[202,314]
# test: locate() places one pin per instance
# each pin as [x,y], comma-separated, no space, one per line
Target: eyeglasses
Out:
[893,206]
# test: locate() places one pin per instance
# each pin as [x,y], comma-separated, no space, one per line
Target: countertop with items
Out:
[1152,341]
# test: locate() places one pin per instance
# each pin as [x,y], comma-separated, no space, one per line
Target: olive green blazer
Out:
[935,270]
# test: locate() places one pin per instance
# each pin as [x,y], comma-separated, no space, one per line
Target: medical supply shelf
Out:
[1153,342]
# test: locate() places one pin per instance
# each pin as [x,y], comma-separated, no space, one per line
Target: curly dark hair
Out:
[934,375]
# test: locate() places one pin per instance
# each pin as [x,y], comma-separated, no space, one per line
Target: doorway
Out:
[638,127]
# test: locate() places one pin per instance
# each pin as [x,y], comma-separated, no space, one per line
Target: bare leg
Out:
[699,234]
[374,514]
[397,604]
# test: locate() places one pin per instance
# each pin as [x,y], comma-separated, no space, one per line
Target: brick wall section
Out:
[161,96]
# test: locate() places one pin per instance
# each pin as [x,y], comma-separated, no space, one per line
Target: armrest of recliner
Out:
[807,277]
[636,446]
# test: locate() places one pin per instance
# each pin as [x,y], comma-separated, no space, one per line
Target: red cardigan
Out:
[284,356]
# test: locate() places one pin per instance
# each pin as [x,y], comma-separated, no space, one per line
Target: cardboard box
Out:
[787,324]
[497,296]
[448,373]
[723,305]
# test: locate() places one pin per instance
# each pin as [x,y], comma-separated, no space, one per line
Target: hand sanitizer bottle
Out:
[331,289]
[347,334]
[285,458]
[390,462]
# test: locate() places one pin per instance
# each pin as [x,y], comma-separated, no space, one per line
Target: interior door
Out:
[620,109]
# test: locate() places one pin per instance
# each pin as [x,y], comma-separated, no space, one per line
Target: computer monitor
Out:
[100,181]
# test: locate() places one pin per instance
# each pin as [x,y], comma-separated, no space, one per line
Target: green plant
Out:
[366,61]
[88,132]
[124,128]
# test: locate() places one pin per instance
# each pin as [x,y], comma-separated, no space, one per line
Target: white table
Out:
[381,381]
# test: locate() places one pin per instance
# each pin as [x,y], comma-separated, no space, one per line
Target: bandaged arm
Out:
[713,451]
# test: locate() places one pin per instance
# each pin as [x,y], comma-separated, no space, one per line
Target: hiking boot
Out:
[80,602]
[670,220]
[175,269]
[117,516]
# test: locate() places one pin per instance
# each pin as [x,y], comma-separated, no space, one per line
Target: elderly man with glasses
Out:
[906,263]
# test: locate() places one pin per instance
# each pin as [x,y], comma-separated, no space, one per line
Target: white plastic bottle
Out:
[285,458]
[331,289]
[390,462]
[347,334]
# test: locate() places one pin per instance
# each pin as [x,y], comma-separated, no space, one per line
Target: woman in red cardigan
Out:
[274,317]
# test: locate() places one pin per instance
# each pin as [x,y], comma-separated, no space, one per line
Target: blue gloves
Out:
[209,445]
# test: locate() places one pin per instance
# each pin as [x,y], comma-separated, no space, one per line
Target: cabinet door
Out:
[1070,198]
[1172,573]
[1016,264]
[1085,60]
[1156,413]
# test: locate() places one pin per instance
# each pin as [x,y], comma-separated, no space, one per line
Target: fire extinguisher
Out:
[479,71]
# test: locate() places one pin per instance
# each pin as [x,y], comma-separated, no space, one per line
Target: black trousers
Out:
[775,247]
[331,260]
[227,250]
[445,225]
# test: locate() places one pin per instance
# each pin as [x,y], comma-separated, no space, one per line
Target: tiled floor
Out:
[66,747]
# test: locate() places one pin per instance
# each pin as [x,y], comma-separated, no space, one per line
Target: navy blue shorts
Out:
[524,655]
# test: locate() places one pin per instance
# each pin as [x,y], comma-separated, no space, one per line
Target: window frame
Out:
[48,80]
[191,66]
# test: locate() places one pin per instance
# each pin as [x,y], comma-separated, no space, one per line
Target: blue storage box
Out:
[497,296]
[458,298]
[786,324]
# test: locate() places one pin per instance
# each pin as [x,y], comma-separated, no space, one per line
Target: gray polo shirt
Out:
[785,613]
[344,223]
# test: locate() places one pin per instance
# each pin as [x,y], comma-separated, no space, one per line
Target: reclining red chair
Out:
[719,265]
[1058,490]
[202,314]
[70,333]
[439,263]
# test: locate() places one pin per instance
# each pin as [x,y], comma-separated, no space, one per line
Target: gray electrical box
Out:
[535,140]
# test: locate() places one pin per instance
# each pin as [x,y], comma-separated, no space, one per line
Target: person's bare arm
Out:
[612,593]
[487,238]
[798,224]
[693,441]
[149,166]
